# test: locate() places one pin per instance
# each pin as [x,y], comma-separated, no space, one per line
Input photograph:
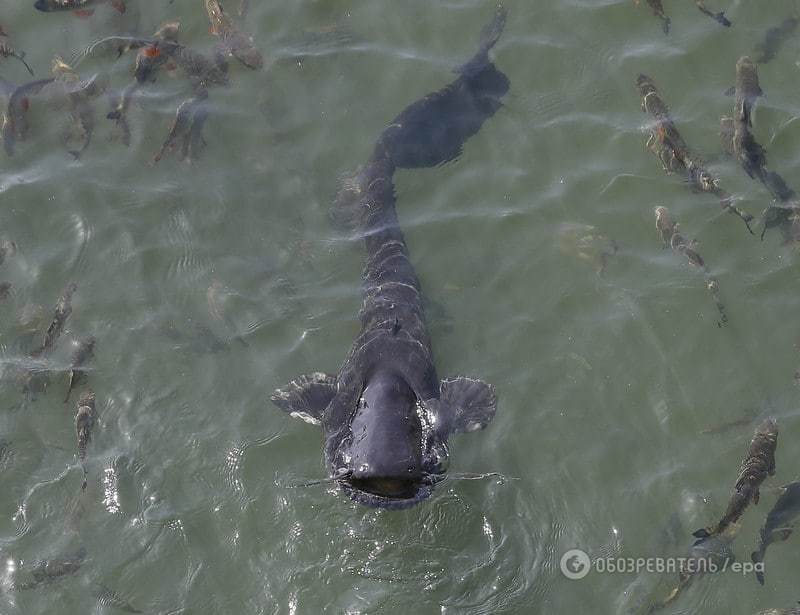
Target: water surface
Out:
[605,382]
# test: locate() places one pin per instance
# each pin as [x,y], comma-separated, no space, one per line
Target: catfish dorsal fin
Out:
[471,402]
[306,397]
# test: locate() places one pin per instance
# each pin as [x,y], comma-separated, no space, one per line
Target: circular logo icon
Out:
[575,564]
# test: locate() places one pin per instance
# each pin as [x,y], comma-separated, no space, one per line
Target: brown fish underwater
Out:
[756,467]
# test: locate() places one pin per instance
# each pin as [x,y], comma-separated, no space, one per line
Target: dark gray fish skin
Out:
[418,137]
[63,311]
[85,420]
[15,124]
[386,417]
[49,571]
[778,524]
[759,463]
[768,48]
[668,145]
[5,291]
[83,352]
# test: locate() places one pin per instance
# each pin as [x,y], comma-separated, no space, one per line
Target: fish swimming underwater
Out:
[658,11]
[234,42]
[15,124]
[80,7]
[51,570]
[671,236]
[418,136]
[386,417]
[709,555]
[84,351]
[718,17]
[759,463]
[78,94]
[778,525]
[739,141]
[63,310]
[183,127]
[668,145]
[773,40]
[85,419]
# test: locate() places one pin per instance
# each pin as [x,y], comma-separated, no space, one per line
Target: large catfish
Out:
[386,417]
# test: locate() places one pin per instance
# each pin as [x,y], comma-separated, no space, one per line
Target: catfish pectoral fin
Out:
[306,397]
[702,533]
[472,402]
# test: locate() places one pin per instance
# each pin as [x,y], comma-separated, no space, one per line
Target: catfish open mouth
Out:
[393,493]
[387,487]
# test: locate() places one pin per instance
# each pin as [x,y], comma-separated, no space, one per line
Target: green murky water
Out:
[605,382]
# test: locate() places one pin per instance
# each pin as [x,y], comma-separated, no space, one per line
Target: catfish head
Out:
[386,447]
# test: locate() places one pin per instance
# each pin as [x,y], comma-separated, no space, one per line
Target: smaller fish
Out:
[79,95]
[588,244]
[15,125]
[778,524]
[746,90]
[82,8]
[773,40]
[666,142]
[233,41]
[710,554]
[84,351]
[63,310]
[759,463]
[7,250]
[664,225]
[49,571]
[718,17]
[7,51]
[84,423]
[681,245]
[181,129]
[217,312]
[658,11]
[152,55]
